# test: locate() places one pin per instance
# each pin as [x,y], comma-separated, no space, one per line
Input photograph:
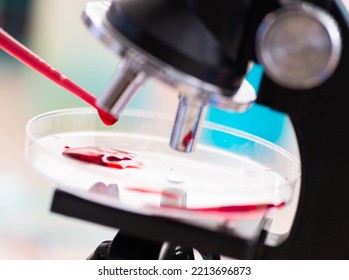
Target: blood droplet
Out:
[106,118]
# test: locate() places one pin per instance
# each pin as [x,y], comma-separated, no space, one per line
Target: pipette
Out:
[27,57]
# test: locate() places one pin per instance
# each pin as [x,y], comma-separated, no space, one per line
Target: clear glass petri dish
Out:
[231,175]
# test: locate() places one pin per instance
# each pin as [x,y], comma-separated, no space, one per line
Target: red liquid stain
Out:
[233,212]
[108,157]
[229,211]
[23,54]
[187,139]
[148,191]
[237,208]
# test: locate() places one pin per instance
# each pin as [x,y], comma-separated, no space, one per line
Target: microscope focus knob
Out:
[299,45]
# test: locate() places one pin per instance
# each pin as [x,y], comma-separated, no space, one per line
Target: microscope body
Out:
[203,48]
[318,115]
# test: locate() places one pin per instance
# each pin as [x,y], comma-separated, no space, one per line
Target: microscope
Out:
[203,49]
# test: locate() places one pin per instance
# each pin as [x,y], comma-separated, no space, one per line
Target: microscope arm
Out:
[321,226]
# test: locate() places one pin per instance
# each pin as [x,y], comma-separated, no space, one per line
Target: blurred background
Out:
[54,30]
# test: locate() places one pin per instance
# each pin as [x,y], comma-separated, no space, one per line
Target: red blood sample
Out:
[108,157]
[187,139]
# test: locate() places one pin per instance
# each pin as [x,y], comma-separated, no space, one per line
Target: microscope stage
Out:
[231,176]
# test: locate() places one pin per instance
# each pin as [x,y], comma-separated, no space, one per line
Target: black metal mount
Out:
[142,236]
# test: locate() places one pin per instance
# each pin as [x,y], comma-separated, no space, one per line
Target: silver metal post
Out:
[122,87]
[191,112]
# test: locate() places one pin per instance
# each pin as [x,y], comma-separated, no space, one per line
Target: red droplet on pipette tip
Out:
[106,118]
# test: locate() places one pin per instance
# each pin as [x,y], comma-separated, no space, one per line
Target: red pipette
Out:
[23,54]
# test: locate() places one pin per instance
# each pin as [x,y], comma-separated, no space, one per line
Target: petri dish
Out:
[230,176]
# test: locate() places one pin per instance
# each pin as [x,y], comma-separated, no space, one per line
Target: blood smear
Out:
[108,157]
